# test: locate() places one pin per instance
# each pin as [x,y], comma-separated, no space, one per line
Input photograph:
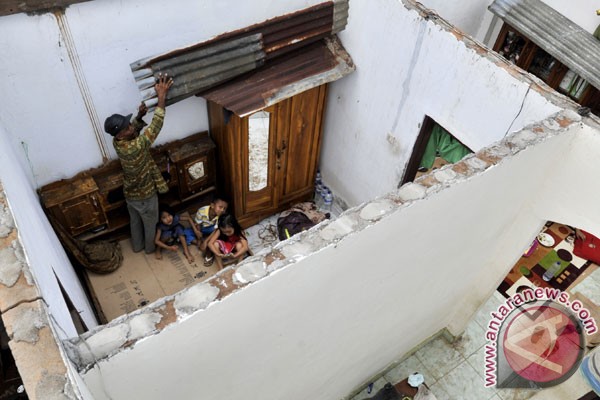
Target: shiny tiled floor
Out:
[455,371]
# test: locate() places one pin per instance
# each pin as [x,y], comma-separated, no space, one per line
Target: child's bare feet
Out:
[158,255]
[190,258]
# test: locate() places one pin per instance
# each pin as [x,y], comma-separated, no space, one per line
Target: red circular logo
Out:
[542,344]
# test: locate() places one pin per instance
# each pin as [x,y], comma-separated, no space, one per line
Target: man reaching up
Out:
[141,177]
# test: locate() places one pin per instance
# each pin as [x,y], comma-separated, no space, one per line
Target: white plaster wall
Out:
[571,196]
[474,18]
[43,112]
[374,115]
[46,257]
[467,15]
[321,327]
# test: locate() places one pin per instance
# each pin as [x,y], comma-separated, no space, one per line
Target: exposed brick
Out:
[488,158]
[40,363]
[19,292]
[564,121]
[7,241]
[427,180]
[224,282]
[273,256]
[169,315]
[461,168]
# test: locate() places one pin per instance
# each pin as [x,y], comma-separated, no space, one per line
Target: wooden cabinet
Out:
[268,160]
[521,51]
[195,167]
[75,205]
[92,203]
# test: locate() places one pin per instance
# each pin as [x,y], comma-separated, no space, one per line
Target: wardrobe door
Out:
[299,144]
[258,162]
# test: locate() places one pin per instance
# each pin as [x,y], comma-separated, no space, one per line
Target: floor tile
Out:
[464,383]
[439,392]
[477,361]
[471,340]
[482,317]
[516,394]
[366,394]
[439,357]
[409,366]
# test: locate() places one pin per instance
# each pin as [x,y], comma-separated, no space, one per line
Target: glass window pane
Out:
[258,150]
[542,64]
[573,85]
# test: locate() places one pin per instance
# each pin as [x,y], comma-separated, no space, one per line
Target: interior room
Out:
[452,174]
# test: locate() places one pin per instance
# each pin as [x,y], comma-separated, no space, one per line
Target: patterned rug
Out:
[530,268]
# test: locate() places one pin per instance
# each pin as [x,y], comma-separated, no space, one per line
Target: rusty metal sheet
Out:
[208,64]
[556,34]
[200,68]
[312,66]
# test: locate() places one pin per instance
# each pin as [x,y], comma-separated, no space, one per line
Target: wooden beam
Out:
[8,7]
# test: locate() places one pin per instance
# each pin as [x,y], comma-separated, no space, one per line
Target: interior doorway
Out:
[434,147]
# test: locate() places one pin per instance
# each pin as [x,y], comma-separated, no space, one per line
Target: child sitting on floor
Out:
[168,232]
[205,223]
[228,241]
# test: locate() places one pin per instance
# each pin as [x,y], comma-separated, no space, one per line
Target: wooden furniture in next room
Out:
[268,160]
[92,204]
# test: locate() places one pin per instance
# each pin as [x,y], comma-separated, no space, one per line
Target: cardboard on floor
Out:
[142,279]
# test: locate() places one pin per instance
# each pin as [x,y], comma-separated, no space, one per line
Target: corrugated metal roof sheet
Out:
[556,34]
[205,65]
[296,72]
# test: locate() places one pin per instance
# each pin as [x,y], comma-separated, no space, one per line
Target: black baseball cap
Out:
[116,123]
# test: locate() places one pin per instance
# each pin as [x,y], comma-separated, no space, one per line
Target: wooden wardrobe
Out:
[288,143]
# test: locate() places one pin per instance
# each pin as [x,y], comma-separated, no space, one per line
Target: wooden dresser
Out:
[91,204]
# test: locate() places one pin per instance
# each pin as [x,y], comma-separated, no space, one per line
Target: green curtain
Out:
[597,32]
[443,143]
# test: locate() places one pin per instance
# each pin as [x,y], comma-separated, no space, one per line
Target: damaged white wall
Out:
[44,112]
[62,76]
[322,325]
[42,250]
[469,16]
[413,68]
[474,18]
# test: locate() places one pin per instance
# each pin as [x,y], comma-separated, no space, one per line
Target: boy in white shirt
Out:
[205,222]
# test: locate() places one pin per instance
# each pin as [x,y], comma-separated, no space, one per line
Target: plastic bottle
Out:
[318,189]
[324,191]
[327,201]
[318,186]
[549,274]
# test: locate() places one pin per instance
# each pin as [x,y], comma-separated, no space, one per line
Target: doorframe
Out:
[418,150]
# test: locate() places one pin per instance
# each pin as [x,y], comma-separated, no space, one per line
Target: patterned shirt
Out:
[141,177]
[202,218]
